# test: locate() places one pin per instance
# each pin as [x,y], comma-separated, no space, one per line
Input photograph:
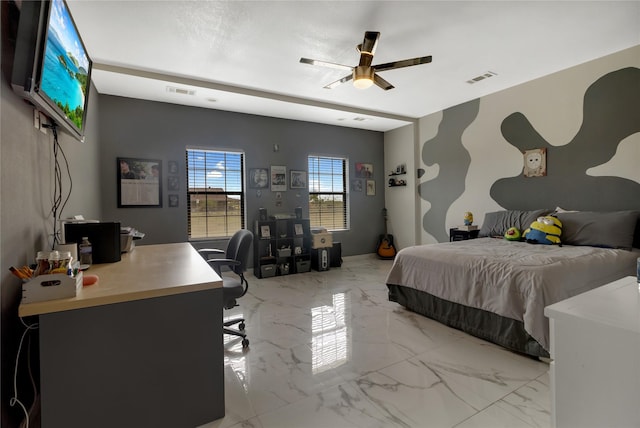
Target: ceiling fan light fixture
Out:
[363,83]
[362,77]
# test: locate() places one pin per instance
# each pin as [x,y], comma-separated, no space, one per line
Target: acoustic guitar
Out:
[386,250]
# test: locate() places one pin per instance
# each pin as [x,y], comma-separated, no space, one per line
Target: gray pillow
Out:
[497,223]
[612,229]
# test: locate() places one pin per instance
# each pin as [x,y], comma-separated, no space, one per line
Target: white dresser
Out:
[595,353]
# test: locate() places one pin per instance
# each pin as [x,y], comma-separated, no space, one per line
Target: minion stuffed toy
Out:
[468,218]
[545,230]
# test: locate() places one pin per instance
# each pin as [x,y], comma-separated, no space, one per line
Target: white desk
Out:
[595,348]
[142,347]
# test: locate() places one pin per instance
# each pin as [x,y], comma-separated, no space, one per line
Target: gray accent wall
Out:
[447,151]
[611,114]
[586,117]
[145,129]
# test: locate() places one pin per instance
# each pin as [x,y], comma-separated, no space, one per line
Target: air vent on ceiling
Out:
[180,91]
[481,77]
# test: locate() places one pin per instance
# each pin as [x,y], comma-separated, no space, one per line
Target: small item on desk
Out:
[54,262]
[50,287]
[85,251]
[24,273]
[42,263]
[59,262]
[89,280]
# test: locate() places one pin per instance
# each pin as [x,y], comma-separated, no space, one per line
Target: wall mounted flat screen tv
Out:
[51,66]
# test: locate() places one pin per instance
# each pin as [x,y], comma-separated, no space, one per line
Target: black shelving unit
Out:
[281,247]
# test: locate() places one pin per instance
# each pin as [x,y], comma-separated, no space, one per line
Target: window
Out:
[215,195]
[328,192]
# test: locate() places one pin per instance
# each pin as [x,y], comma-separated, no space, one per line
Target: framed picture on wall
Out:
[371,187]
[364,170]
[258,178]
[535,163]
[174,201]
[298,179]
[139,182]
[173,182]
[278,178]
[356,185]
[173,167]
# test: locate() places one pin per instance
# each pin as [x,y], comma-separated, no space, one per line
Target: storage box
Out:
[51,287]
[321,240]
[303,266]
[267,271]
[284,252]
[284,268]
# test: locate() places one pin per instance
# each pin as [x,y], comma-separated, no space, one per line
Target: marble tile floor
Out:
[329,350]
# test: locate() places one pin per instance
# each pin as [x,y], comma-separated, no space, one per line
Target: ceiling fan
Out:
[364,74]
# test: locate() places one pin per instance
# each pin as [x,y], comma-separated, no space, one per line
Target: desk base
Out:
[154,362]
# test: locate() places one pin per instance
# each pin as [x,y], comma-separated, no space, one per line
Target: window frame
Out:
[344,192]
[228,232]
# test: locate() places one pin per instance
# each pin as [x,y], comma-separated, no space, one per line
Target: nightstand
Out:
[456,234]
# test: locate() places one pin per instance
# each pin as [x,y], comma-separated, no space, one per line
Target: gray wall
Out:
[26,226]
[134,128]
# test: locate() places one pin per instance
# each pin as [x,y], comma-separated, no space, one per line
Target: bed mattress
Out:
[514,280]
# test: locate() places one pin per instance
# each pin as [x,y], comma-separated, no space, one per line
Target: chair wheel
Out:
[241,326]
[245,343]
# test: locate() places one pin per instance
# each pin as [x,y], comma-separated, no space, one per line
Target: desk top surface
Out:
[146,272]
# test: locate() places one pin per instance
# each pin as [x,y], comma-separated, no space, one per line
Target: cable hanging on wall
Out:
[59,200]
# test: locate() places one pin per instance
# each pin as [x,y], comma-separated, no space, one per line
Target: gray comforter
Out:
[512,279]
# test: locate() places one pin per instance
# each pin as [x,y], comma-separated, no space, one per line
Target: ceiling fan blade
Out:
[370,42]
[368,47]
[403,63]
[338,82]
[325,64]
[382,83]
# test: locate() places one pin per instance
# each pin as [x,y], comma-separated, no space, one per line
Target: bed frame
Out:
[505,332]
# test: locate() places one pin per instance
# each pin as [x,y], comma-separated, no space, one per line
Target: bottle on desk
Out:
[85,252]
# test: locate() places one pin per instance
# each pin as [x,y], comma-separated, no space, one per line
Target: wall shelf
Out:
[394,182]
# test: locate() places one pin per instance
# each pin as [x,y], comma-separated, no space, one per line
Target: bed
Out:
[497,289]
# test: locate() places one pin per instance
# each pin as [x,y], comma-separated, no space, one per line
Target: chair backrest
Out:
[238,249]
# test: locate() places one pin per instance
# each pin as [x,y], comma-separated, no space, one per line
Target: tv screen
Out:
[51,67]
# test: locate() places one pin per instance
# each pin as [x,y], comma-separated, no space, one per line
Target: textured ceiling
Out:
[244,56]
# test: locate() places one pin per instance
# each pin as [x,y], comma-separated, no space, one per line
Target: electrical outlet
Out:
[43,120]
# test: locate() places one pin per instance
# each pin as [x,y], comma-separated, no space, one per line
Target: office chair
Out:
[236,257]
